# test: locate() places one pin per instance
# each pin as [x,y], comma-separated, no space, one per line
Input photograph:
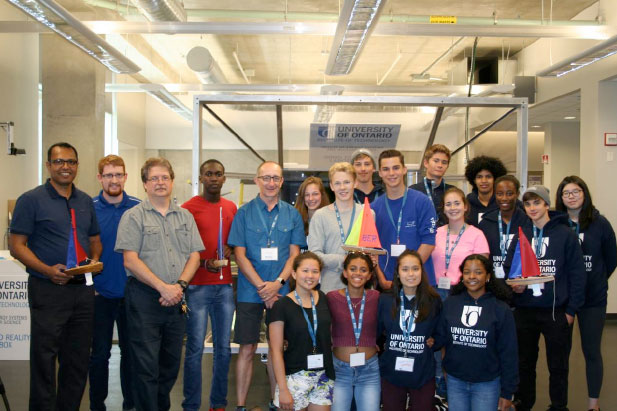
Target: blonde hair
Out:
[344,167]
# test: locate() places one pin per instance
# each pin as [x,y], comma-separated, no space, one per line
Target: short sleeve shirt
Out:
[163,243]
[44,216]
[249,231]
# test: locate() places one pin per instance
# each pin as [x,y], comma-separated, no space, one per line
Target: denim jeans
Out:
[363,383]
[473,396]
[440,381]
[155,342]
[216,302]
[108,311]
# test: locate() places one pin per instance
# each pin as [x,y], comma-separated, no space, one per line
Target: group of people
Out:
[431,320]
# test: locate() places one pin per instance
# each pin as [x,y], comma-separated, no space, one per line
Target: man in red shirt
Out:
[210,293]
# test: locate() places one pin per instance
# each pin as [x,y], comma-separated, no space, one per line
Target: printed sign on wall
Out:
[14,311]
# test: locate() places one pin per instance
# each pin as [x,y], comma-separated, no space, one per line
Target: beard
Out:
[113,191]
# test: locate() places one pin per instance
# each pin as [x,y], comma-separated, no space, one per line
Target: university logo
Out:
[404,321]
[509,240]
[581,238]
[542,249]
[471,315]
[322,131]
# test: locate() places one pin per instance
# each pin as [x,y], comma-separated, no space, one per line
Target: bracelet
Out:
[183,284]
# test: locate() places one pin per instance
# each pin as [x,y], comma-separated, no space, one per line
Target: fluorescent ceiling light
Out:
[536,126]
[598,52]
[148,69]
[324,112]
[161,10]
[358,18]
[569,118]
[57,18]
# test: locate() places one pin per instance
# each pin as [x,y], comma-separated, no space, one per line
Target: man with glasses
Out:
[109,308]
[61,305]
[161,245]
[267,234]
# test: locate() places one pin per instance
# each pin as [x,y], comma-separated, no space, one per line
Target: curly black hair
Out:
[477,164]
[498,288]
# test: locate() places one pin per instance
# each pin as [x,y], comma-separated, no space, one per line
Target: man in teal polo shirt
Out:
[267,234]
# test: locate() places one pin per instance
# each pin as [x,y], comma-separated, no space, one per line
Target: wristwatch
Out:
[281,280]
[183,284]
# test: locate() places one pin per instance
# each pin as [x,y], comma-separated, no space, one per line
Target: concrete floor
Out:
[15,377]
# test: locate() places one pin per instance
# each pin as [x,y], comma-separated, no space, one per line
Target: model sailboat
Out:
[363,236]
[77,262]
[525,269]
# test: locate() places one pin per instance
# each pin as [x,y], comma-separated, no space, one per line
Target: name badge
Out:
[499,272]
[357,359]
[314,361]
[397,249]
[269,254]
[404,364]
[444,283]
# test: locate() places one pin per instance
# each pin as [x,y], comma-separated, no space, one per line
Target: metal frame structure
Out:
[520,105]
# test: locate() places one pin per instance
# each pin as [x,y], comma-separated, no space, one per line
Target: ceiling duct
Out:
[598,52]
[357,20]
[161,10]
[202,63]
[324,112]
[58,19]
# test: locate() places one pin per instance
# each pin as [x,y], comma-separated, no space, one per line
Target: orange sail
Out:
[363,236]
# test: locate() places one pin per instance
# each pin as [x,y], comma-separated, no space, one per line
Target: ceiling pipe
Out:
[308,16]
[161,10]
[241,68]
[203,64]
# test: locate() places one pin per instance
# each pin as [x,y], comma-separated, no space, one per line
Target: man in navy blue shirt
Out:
[61,306]
[109,306]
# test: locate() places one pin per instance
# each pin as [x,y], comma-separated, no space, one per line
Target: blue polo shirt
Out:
[110,283]
[44,216]
[417,227]
[248,230]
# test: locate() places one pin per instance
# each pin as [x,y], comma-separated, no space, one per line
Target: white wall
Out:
[131,111]
[19,77]
[563,150]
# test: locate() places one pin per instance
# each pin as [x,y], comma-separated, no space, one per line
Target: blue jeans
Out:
[440,381]
[155,342]
[476,396]
[217,302]
[108,311]
[363,383]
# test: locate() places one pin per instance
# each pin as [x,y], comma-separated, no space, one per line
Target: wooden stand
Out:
[219,263]
[365,250]
[88,268]
[530,280]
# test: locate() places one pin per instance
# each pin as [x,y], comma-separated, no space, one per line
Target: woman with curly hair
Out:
[477,329]
[597,239]
[481,172]
[311,197]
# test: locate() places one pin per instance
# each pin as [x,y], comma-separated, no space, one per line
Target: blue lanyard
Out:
[357,326]
[538,239]
[575,227]
[263,221]
[397,226]
[312,331]
[430,192]
[503,240]
[458,238]
[340,223]
[407,326]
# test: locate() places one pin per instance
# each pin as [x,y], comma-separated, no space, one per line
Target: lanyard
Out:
[503,239]
[340,223]
[430,192]
[575,227]
[263,221]
[458,238]
[397,226]
[538,238]
[312,331]
[406,325]
[357,326]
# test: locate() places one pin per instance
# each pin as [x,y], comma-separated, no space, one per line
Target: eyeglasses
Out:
[61,162]
[119,176]
[573,193]
[156,179]
[267,179]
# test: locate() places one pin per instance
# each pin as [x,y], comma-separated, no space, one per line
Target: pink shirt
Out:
[472,242]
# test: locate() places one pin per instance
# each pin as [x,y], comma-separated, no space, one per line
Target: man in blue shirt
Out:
[61,305]
[109,306]
[267,234]
[405,218]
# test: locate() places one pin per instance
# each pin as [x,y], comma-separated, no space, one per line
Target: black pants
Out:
[61,329]
[591,324]
[155,342]
[530,323]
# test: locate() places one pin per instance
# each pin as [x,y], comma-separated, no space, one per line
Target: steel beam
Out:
[197,145]
[522,125]
[431,137]
[279,133]
[484,130]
